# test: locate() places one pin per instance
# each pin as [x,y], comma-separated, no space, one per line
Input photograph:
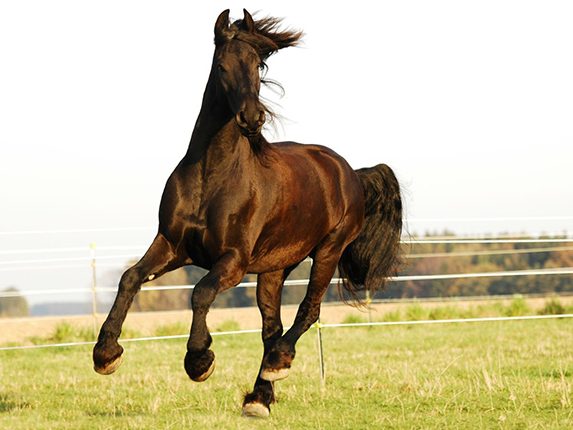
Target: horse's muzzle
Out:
[250,123]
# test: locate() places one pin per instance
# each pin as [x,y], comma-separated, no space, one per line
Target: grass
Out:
[509,375]
[417,311]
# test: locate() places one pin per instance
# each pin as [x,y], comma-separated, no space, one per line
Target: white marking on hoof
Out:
[207,373]
[255,410]
[111,367]
[274,375]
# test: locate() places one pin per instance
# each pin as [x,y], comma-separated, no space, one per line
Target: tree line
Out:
[447,258]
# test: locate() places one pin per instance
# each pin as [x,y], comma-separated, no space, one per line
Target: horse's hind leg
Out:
[269,288]
[159,259]
[277,362]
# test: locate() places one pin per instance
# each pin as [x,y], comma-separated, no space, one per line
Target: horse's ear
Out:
[222,27]
[248,24]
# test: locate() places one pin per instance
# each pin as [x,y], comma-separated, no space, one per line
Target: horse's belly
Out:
[282,250]
[280,258]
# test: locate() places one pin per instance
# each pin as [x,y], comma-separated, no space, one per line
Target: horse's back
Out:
[334,178]
[309,192]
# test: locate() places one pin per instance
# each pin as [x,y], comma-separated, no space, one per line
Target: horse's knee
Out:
[213,283]
[130,280]
[203,295]
[314,314]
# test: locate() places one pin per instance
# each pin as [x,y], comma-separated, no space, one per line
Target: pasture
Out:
[514,374]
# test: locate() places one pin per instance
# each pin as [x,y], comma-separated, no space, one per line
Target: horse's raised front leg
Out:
[225,273]
[159,259]
[269,288]
[277,362]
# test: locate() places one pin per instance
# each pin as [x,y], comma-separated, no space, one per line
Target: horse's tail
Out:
[374,255]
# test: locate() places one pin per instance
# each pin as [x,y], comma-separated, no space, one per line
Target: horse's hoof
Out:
[109,368]
[205,375]
[255,410]
[199,367]
[272,375]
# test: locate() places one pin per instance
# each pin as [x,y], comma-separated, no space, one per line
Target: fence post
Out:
[94,285]
[320,352]
[368,307]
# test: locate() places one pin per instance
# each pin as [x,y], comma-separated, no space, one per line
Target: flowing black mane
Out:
[267,38]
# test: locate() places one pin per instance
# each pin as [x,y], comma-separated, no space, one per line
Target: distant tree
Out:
[13,306]
[438,264]
[164,300]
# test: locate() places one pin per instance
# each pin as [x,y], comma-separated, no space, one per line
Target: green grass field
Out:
[509,375]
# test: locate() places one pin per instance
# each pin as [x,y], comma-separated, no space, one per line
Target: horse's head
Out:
[241,49]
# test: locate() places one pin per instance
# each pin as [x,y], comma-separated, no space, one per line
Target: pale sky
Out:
[471,103]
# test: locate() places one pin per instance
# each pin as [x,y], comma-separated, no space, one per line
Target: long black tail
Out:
[375,254]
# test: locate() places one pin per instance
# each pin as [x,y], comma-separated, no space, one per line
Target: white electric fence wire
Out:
[492,252]
[448,321]
[494,219]
[137,339]
[456,253]
[483,241]
[558,271]
[425,241]
[71,249]
[124,264]
[65,259]
[409,220]
[74,231]
[341,325]
[542,237]
[51,267]
[552,271]
[539,235]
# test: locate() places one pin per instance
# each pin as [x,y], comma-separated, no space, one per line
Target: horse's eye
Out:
[221,68]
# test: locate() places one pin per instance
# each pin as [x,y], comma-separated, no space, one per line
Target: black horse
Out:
[238,204]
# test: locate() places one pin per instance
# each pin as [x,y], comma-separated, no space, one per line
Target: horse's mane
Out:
[268,36]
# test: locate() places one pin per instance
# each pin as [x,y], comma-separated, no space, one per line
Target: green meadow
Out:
[508,375]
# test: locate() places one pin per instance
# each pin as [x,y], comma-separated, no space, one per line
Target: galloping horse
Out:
[238,204]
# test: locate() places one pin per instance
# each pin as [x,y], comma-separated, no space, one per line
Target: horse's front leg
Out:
[159,259]
[226,273]
[269,287]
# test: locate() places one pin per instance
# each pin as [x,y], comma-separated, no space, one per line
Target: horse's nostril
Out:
[261,117]
[241,120]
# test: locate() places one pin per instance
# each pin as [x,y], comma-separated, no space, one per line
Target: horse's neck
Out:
[216,141]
